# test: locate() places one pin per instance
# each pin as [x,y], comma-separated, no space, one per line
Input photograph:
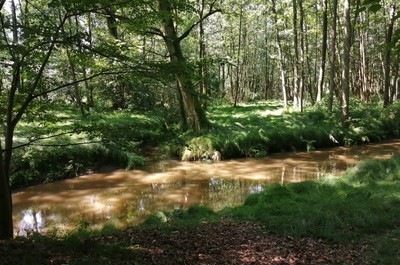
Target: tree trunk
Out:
[202,57]
[302,57]
[6,221]
[388,57]
[321,77]
[364,86]
[332,57]
[195,116]
[296,78]
[237,85]
[281,57]
[346,64]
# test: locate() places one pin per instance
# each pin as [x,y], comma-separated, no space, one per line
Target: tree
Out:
[19,95]
[320,89]
[332,57]
[194,114]
[30,42]
[281,56]
[346,63]
[388,56]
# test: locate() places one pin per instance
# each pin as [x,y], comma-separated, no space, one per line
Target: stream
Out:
[121,198]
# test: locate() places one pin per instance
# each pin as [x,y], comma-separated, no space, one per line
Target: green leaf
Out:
[375,8]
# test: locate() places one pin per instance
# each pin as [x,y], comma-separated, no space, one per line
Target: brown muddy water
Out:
[123,198]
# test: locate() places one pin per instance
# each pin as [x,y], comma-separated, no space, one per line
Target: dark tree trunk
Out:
[6,222]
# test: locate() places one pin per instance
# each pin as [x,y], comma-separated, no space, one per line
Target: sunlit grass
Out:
[358,208]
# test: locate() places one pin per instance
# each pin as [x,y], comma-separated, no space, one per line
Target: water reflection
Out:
[32,222]
[127,197]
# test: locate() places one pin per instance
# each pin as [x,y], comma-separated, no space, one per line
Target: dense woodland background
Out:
[66,64]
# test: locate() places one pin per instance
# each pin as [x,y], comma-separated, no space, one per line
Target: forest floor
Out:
[224,242]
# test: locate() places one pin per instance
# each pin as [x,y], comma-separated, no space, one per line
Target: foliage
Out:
[82,145]
[260,128]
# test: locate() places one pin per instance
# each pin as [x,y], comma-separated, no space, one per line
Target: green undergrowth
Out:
[258,129]
[66,145]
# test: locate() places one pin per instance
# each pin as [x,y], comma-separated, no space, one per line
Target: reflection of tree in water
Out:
[228,192]
[32,222]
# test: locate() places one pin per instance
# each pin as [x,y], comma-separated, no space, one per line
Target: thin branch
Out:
[187,32]
[70,144]
[30,142]
[156,31]
[77,82]
[2,4]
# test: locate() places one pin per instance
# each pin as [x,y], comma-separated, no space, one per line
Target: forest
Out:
[87,84]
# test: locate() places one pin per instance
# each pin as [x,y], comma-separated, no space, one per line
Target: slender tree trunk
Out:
[388,57]
[321,78]
[363,63]
[332,57]
[237,85]
[202,57]
[302,57]
[296,78]
[281,57]
[346,64]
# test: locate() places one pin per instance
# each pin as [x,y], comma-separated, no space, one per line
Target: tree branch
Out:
[77,82]
[187,31]
[2,4]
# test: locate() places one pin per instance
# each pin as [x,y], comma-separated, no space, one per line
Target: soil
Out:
[224,242]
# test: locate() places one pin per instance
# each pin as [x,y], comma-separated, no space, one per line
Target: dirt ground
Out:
[210,243]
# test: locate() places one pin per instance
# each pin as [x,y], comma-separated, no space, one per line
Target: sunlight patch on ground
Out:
[265,113]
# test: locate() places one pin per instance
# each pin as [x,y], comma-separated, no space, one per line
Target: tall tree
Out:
[321,78]
[346,63]
[332,57]
[32,39]
[194,114]
[388,55]
[281,56]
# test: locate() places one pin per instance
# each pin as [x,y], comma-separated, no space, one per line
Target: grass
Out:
[363,206]
[258,129]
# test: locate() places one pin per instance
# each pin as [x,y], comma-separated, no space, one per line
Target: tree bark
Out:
[202,56]
[302,56]
[321,78]
[6,221]
[296,78]
[388,57]
[281,57]
[332,57]
[237,85]
[364,86]
[346,64]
